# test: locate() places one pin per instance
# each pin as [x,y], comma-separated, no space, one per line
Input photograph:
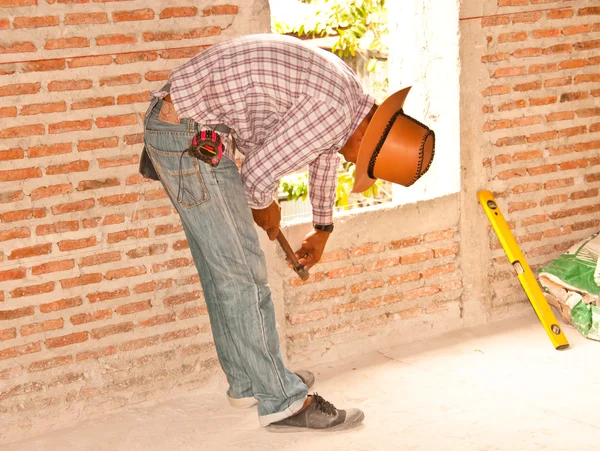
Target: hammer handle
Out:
[298,267]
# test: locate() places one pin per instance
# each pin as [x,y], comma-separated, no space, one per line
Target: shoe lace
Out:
[322,405]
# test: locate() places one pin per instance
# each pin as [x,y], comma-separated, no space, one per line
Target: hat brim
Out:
[375,129]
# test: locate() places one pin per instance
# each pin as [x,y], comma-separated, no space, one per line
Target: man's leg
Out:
[212,205]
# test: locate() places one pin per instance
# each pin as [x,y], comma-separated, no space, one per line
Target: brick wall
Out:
[100,304]
[541,140]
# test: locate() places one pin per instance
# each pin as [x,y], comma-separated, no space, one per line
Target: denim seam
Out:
[262,326]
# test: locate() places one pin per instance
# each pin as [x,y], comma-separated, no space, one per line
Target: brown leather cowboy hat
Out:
[395,147]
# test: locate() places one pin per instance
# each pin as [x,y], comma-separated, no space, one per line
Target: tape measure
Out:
[207,146]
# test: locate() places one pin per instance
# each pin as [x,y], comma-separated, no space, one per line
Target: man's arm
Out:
[322,180]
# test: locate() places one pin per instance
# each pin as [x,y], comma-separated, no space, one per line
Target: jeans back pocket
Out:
[181,175]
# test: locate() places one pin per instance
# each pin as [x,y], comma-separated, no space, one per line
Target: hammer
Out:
[298,267]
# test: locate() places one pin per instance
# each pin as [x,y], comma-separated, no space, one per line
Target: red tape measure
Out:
[207,146]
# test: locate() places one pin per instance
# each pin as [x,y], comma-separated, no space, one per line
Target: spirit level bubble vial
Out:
[524,273]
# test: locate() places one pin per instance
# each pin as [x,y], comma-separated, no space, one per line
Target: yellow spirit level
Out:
[524,273]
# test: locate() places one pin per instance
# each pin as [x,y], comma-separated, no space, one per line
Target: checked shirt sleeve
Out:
[306,135]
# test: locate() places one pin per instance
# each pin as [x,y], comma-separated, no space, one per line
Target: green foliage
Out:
[357,24]
[295,186]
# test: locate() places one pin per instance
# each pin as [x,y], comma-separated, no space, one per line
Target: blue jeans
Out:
[225,247]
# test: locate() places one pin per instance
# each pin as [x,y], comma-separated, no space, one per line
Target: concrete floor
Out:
[502,387]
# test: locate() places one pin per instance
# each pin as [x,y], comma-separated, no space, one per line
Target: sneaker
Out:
[245,403]
[320,415]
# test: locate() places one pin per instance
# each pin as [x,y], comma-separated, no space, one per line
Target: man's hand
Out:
[312,248]
[268,219]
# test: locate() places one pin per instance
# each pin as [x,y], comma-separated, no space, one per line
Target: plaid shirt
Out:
[288,104]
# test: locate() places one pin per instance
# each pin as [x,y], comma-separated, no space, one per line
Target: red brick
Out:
[86,279]
[167,229]
[59,227]
[136,57]
[169,13]
[50,363]
[22,215]
[439,270]
[13,234]
[446,251]
[60,305]
[117,121]
[99,143]
[531,86]
[355,288]
[158,75]
[512,37]
[589,11]
[45,65]
[422,292]
[75,166]
[559,48]
[107,295]
[22,131]
[508,72]
[192,312]
[576,29]
[587,45]
[42,108]
[125,272]
[84,318]
[560,14]
[547,33]
[511,173]
[535,219]
[102,332]
[35,22]
[67,43]
[102,352]
[526,188]
[16,313]
[157,320]
[70,126]
[545,136]
[115,39]
[551,200]
[32,251]
[182,298]
[119,80]
[69,85]
[572,96]
[12,274]
[591,178]
[160,193]
[139,14]
[118,161]
[133,307]
[66,340]
[493,21]
[18,47]
[512,105]
[403,278]
[87,61]
[48,150]
[95,102]
[71,245]
[85,18]
[527,155]
[495,90]
[528,17]
[587,78]
[138,97]
[172,264]
[437,236]
[9,111]
[222,9]
[48,191]
[511,141]
[560,116]
[7,334]
[117,237]
[45,268]
[139,343]
[572,64]
[100,259]
[572,131]
[19,89]
[149,287]
[119,199]
[584,194]
[182,333]
[512,2]
[588,112]
[11,196]
[32,290]
[17,351]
